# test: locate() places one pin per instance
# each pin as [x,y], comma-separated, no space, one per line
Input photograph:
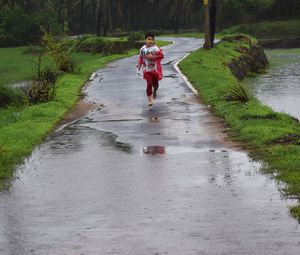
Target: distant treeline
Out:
[20,20]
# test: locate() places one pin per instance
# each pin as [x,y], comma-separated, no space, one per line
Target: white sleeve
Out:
[142,49]
[156,48]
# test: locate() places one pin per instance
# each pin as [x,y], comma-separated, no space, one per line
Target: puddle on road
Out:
[70,139]
[172,75]
[120,120]
[110,139]
[161,150]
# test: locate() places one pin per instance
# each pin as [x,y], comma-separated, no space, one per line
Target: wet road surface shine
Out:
[92,188]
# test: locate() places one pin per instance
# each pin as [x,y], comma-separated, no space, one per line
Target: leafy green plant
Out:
[238,92]
[42,88]
[135,37]
[104,46]
[60,54]
[41,92]
[91,44]
[10,96]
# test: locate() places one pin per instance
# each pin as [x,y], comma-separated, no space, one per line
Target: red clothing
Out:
[151,65]
[152,82]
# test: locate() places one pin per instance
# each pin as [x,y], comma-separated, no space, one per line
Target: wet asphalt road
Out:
[91,188]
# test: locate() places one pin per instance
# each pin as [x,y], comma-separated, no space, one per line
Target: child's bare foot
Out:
[150,98]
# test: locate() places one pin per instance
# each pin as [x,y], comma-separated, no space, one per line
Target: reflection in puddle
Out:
[154,119]
[155,150]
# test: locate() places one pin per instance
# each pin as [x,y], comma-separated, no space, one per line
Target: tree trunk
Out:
[12,3]
[94,16]
[154,13]
[105,17]
[176,25]
[99,18]
[109,17]
[27,7]
[131,17]
[213,21]
[81,16]
[207,43]
[61,15]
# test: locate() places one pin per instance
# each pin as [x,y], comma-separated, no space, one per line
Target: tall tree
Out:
[82,16]
[207,43]
[177,15]
[27,5]
[213,21]
[61,14]
[109,15]
[99,18]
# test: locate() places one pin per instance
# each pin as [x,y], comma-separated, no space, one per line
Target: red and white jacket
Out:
[151,65]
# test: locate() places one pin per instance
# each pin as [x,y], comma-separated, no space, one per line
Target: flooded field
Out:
[279,88]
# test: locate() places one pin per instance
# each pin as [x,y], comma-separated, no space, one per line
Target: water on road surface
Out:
[129,179]
[280,87]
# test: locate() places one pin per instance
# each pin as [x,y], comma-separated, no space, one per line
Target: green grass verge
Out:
[256,126]
[268,29]
[22,128]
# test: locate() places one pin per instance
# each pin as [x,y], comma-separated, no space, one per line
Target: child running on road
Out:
[150,61]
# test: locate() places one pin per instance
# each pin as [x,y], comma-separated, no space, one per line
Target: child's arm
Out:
[140,61]
[159,54]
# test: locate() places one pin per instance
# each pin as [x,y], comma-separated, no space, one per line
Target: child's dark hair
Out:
[149,34]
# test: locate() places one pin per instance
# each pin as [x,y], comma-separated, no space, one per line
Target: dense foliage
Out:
[20,20]
[9,96]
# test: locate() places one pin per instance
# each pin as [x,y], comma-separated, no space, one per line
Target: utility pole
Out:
[207,43]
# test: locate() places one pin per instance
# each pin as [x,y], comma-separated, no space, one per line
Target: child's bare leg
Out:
[149,80]
[155,86]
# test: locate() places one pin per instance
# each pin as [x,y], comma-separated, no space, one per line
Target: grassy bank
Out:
[269,136]
[23,127]
[268,29]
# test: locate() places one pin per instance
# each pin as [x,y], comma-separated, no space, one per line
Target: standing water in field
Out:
[280,87]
